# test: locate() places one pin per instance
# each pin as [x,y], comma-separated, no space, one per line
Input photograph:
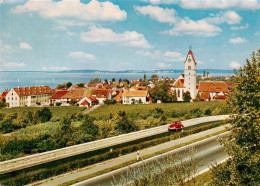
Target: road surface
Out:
[207,151]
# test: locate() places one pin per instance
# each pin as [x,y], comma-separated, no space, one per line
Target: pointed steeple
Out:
[190,53]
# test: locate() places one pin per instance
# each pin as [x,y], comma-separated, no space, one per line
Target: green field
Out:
[56,111]
[139,111]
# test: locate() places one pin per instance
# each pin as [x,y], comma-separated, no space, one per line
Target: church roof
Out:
[190,53]
[179,83]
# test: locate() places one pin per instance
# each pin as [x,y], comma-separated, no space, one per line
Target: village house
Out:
[102,94]
[3,95]
[56,97]
[75,94]
[88,102]
[136,97]
[29,96]
[213,90]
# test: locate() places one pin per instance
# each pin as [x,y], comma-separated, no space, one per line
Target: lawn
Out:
[139,111]
[56,111]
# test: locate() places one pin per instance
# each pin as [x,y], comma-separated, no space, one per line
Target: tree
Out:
[243,167]
[72,102]
[197,99]
[89,128]
[106,81]
[186,96]
[154,76]
[144,77]
[81,85]
[161,92]
[204,73]
[68,85]
[94,81]
[113,79]
[124,124]
[45,115]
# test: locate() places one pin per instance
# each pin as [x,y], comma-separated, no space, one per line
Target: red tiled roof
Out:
[210,86]
[92,99]
[220,97]
[75,94]
[84,103]
[204,95]
[190,53]
[179,83]
[119,97]
[59,94]
[101,93]
[28,91]
[4,93]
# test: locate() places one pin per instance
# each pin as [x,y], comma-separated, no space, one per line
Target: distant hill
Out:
[199,71]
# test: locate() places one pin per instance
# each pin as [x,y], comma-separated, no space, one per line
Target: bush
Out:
[110,102]
[175,113]
[207,112]
[58,104]
[45,115]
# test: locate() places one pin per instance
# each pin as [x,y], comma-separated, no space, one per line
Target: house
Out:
[3,95]
[135,97]
[119,97]
[101,94]
[57,96]
[88,102]
[213,90]
[29,96]
[75,94]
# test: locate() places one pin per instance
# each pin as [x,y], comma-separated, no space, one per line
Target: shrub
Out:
[58,104]
[207,112]
[110,102]
[45,115]
[175,113]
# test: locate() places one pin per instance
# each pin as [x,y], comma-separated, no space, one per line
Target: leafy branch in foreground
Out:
[243,168]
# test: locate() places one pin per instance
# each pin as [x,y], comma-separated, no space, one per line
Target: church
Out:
[187,81]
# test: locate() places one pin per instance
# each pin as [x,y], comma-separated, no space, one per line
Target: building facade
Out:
[29,96]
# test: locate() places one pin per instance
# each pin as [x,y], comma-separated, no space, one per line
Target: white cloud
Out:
[212,4]
[173,56]
[82,56]
[235,65]
[238,40]
[239,27]
[157,13]
[71,33]
[6,34]
[94,10]
[25,46]
[195,28]
[105,35]
[162,65]
[4,64]
[5,48]
[59,68]
[154,55]
[230,17]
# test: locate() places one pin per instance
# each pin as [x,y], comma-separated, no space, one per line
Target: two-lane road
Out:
[207,151]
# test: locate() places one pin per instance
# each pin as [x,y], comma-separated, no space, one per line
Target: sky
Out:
[50,35]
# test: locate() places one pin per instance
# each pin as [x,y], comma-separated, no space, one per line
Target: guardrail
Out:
[37,159]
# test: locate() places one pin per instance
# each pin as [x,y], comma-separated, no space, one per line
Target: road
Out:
[207,151]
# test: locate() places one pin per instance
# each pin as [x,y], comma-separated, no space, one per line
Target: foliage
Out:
[243,168]
[45,115]
[186,96]
[3,104]
[73,102]
[81,85]
[197,98]
[95,80]
[89,128]
[174,96]
[124,124]
[161,92]
[154,76]
[64,85]
[157,112]
[58,103]
[110,102]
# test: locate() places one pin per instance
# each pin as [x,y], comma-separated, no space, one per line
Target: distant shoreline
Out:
[199,71]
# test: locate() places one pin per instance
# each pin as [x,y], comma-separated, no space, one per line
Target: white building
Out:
[187,81]
[29,96]
[135,97]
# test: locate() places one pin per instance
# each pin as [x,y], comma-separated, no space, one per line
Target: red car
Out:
[176,125]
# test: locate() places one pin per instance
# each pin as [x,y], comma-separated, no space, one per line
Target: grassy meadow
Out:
[140,111]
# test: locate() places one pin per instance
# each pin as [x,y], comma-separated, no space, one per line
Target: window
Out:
[178,93]
[189,67]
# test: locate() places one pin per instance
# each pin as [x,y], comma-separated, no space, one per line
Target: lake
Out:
[9,80]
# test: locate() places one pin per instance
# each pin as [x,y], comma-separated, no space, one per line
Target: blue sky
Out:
[127,34]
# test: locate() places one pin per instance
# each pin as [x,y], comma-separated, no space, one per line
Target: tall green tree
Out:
[89,128]
[161,92]
[243,145]
[124,124]
[186,96]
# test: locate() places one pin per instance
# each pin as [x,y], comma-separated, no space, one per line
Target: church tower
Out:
[190,74]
